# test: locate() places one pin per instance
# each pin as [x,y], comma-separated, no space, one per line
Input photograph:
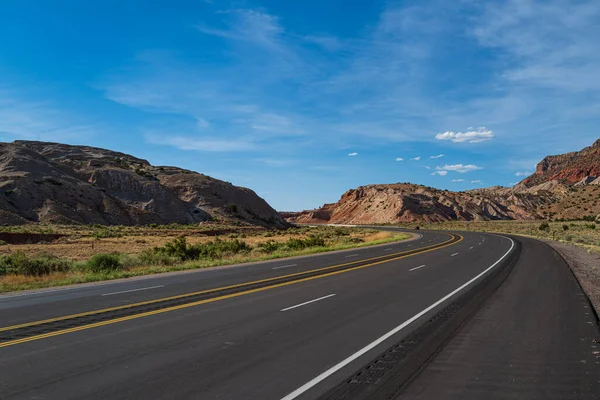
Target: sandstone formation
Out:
[563,187]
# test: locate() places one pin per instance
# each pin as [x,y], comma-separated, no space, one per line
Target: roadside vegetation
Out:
[102,253]
[584,233]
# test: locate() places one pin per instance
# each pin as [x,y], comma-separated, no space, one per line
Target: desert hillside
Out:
[563,187]
[58,183]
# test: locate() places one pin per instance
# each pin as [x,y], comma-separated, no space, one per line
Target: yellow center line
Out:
[196,303]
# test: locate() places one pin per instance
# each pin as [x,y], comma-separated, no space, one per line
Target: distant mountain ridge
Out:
[563,186]
[58,183]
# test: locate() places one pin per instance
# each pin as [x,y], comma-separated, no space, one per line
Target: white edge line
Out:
[391,333]
[352,255]
[133,290]
[420,266]
[308,302]
[388,250]
[455,254]
[285,266]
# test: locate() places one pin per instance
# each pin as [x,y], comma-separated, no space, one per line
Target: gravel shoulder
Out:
[586,267]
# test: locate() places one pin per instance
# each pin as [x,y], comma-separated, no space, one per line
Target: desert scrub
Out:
[218,248]
[104,233]
[104,263]
[310,241]
[43,264]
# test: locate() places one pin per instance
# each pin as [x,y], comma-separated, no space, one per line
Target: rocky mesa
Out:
[564,186]
[58,183]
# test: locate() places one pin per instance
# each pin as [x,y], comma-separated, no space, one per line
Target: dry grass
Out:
[79,248]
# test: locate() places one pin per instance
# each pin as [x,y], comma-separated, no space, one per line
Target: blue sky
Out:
[303,100]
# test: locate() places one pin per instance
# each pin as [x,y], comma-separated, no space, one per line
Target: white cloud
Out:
[470,136]
[426,167]
[523,173]
[399,159]
[458,180]
[416,158]
[438,156]
[440,173]
[477,181]
[352,154]
[459,168]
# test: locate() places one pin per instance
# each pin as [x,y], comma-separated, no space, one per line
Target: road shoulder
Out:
[586,267]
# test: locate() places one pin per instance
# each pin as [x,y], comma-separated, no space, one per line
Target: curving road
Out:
[283,329]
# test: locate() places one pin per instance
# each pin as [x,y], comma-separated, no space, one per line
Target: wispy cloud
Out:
[438,156]
[416,158]
[458,180]
[440,173]
[352,154]
[201,144]
[399,159]
[459,168]
[470,136]
[39,120]
[523,173]
[477,181]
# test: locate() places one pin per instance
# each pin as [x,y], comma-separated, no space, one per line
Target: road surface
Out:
[286,329]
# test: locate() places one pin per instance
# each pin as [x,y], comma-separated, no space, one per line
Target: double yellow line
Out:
[370,262]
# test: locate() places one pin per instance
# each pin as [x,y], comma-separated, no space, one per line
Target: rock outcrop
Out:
[404,202]
[569,168]
[565,186]
[57,183]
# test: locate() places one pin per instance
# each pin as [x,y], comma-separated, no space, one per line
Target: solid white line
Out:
[410,245]
[308,302]
[286,266]
[455,254]
[388,335]
[352,255]
[388,250]
[420,266]
[133,290]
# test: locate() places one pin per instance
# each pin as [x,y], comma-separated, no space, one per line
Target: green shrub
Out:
[310,241]
[590,226]
[218,248]
[43,264]
[270,246]
[179,248]
[544,226]
[151,257]
[565,227]
[103,233]
[105,263]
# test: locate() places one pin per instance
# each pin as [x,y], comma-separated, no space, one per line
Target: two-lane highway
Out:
[308,324]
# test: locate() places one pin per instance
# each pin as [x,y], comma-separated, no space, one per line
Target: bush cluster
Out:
[180,249]
[43,264]
[101,263]
[271,246]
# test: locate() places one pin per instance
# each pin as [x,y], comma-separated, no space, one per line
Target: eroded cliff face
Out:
[401,203]
[564,186]
[569,168]
[52,182]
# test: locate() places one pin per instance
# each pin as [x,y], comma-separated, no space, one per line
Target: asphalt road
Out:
[281,341]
